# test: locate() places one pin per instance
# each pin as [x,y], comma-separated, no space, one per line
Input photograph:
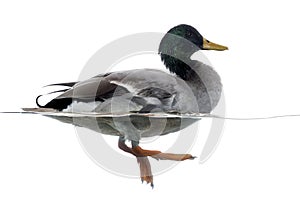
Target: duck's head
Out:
[179,44]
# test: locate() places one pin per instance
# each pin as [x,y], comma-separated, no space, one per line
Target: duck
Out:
[190,86]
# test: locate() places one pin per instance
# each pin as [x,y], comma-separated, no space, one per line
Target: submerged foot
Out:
[158,155]
[145,170]
[144,163]
[171,156]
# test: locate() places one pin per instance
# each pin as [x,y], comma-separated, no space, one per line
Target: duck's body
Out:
[143,90]
[192,87]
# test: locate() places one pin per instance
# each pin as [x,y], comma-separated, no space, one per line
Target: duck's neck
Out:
[201,78]
[181,68]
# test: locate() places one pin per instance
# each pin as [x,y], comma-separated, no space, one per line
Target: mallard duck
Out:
[190,87]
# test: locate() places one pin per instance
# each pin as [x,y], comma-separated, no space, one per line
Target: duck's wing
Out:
[89,91]
[136,90]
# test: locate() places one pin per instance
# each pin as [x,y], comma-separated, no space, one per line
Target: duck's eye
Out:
[208,41]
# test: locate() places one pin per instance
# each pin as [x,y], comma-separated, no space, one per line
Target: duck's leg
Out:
[137,150]
[124,147]
[143,161]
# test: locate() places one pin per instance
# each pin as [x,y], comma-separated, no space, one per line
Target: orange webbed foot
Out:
[158,155]
[145,170]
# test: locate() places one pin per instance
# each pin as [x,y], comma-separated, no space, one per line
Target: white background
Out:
[257,162]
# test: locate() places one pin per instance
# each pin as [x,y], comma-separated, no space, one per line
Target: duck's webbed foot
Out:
[143,161]
[171,156]
[145,170]
[160,155]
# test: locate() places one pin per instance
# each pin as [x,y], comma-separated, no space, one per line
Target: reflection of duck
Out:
[195,88]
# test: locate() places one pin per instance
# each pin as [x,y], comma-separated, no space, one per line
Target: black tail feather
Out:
[67,84]
[37,101]
[53,103]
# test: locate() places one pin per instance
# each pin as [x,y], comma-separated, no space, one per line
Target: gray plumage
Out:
[145,90]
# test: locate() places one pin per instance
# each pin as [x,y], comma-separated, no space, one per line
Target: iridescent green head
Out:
[179,44]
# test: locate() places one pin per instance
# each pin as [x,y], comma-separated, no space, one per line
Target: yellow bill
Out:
[207,45]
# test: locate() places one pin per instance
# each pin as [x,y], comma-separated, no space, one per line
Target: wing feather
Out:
[144,90]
